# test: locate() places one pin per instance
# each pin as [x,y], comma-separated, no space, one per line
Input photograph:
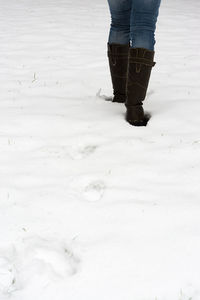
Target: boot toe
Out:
[138,122]
[136,117]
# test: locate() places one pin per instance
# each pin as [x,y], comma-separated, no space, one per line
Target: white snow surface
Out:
[91,207]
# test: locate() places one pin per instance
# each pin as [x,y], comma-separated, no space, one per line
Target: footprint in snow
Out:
[81,152]
[38,262]
[94,191]
[74,152]
[86,187]
[7,276]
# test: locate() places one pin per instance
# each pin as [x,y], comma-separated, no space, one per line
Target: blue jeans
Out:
[134,22]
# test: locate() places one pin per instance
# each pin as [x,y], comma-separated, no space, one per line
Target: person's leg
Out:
[120,11]
[141,58]
[143,20]
[118,46]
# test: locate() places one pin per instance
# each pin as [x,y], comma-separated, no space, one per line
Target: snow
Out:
[91,207]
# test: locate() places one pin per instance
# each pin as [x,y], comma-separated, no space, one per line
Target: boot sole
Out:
[142,122]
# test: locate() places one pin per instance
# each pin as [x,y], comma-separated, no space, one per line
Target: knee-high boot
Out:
[140,63]
[118,61]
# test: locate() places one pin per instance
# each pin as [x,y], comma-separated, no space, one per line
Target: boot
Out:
[118,61]
[140,63]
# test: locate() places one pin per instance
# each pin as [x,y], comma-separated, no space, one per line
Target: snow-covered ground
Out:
[90,207]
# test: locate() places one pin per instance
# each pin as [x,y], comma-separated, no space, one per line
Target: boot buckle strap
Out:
[143,61]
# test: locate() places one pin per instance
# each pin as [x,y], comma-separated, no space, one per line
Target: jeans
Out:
[133,22]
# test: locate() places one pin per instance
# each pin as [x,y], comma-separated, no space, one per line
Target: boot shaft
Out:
[118,62]
[140,63]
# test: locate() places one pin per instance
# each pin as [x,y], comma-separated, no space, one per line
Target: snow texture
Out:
[91,207]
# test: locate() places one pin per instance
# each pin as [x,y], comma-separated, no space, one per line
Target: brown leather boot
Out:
[140,63]
[118,61]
